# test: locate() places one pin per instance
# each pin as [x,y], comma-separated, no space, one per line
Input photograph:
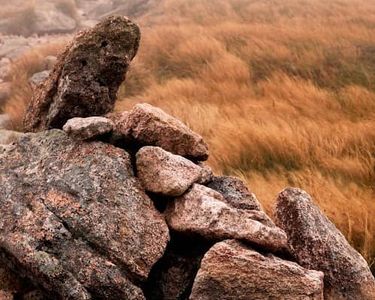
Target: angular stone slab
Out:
[85,80]
[75,220]
[149,125]
[203,211]
[230,270]
[317,244]
[164,173]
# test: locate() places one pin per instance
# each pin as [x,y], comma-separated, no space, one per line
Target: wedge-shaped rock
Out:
[203,211]
[85,80]
[235,192]
[165,173]
[230,270]
[151,126]
[88,128]
[317,244]
[75,220]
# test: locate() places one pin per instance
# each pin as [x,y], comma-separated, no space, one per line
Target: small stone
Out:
[230,270]
[88,128]
[203,211]
[235,192]
[164,173]
[151,126]
[317,244]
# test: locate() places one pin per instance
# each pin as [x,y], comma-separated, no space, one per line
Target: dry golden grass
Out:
[283,91]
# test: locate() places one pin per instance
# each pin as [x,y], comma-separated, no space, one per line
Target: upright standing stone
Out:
[317,244]
[85,80]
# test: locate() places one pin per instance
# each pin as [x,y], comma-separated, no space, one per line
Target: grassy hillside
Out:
[283,91]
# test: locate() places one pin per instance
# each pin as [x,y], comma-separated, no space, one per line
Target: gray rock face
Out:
[88,128]
[151,126]
[317,244]
[164,173]
[85,80]
[235,192]
[203,211]
[75,220]
[230,270]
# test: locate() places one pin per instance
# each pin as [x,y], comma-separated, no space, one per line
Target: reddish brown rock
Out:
[85,80]
[88,128]
[235,192]
[75,220]
[164,173]
[207,173]
[151,126]
[317,244]
[203,211]
[230,270]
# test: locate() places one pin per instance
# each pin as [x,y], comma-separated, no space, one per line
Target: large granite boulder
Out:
[230,270]
[149,125]
[203,211]
[317,244]
[75,220]
[164,173]
[85,80]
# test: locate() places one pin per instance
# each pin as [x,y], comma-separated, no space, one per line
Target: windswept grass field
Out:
[282,90]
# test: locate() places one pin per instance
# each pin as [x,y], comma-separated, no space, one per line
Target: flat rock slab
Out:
[235,192]
[164,173]
[75,220]
[88,128]
[230,270]
[203,211]
[317,244]
[149,125]
[86,77]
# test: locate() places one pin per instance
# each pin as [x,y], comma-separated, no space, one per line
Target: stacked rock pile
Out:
[103,205]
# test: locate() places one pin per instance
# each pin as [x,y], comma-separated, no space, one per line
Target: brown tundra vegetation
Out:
[283,91]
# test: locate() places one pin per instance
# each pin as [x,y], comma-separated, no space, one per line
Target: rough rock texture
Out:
[118,119]
[173,275]
[317,244]
[162,172]
[235,192]
[75,220]
[230,270]
[87,128]
[85,80]
[207,173]
[203,211]
[151,126]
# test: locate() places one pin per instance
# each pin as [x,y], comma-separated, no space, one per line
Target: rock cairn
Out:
[122,205]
